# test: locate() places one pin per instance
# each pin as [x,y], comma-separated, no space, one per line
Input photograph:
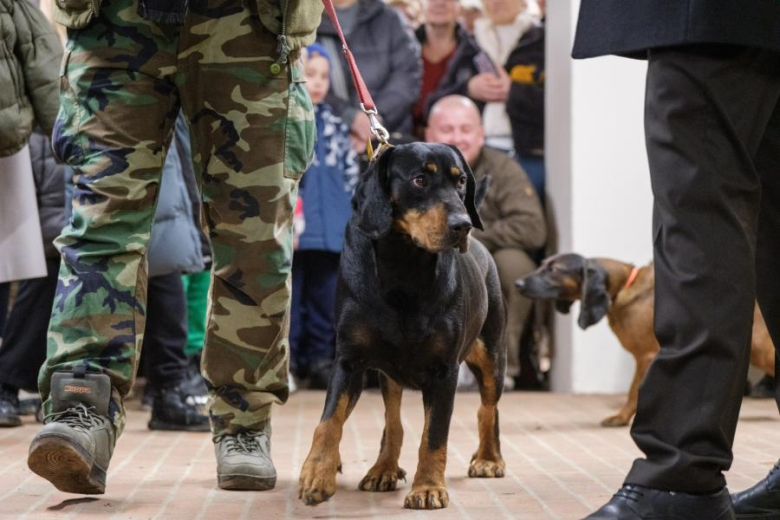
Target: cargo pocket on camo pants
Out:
[300,132]
[67,141]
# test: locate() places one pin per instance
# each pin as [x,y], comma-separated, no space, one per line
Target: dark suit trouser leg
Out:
[768,246]
[707,112]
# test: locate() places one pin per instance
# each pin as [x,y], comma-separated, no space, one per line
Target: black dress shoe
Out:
[640,503]
[762,501]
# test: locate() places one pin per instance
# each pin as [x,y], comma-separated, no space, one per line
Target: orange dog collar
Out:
[632,278]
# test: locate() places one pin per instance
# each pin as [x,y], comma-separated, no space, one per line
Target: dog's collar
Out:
[632,278]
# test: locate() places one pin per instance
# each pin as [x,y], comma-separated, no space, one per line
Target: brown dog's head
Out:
[425,191]
[566,278]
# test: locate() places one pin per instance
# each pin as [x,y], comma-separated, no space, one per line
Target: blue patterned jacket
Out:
[328,184]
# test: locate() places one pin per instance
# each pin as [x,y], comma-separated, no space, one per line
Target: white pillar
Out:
[597,177]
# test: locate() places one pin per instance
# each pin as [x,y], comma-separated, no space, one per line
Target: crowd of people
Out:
[436,71]
[150,130]
[159,247]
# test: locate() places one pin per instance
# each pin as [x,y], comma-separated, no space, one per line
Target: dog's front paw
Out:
[481,468]
[427,497]
[317,482]
[615,421]
[382,477]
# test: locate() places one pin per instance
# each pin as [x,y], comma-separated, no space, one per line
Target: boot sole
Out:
[246,482]
[10,422]
[174,427]
[66,465]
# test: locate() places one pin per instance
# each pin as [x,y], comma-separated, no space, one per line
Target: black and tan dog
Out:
[413,301]
[626,295]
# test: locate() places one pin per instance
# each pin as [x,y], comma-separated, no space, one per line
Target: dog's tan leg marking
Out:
[385,474]
[317,482]
[428,489]
[627,412]
[487,461]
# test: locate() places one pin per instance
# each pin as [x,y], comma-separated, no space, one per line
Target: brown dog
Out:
[625,294]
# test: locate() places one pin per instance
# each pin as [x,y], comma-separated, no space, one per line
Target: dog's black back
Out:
[407,311]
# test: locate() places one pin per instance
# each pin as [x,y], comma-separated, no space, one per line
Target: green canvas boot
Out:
[244,460]
[73,449]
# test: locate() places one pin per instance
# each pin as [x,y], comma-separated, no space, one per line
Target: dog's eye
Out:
[421,181]
[462,182]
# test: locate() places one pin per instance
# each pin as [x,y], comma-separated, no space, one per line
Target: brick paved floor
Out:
[560,464]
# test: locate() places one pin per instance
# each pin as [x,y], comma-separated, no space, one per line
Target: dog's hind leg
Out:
[488,368]
[623,417]
[385,474]
[317,482]
[429,490]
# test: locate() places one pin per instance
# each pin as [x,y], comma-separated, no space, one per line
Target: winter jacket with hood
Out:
[30,53]
[327,187]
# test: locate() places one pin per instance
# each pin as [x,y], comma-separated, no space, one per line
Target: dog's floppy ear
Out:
[563,306]
[471,191]
[595,300]
[371,206]
[482,189]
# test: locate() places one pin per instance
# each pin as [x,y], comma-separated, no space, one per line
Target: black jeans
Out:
[313,308]
[24,343]
[165,335]
[4,290]
[712,125]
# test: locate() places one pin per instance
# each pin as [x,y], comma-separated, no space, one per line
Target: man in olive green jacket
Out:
[511,213]
[232,67]
[29,62]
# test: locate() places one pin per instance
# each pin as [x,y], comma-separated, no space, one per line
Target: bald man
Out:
[514,224]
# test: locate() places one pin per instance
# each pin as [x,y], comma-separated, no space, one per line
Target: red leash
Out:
[366,101]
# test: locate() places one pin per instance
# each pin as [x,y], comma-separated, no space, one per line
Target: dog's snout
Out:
[459,225]
[520,283]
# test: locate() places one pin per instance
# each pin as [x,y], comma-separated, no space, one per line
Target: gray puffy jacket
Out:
[388,56]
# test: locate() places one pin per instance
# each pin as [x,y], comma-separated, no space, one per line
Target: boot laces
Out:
[630,493]
[81,417]
[247,442]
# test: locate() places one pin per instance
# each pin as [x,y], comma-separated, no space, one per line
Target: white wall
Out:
[598,180]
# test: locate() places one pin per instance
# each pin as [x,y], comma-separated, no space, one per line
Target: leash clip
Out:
[379,131]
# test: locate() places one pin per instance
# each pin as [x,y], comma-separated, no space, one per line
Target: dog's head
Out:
[566,278]
[425,191]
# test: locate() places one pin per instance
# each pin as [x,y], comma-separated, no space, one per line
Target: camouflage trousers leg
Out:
[123,82]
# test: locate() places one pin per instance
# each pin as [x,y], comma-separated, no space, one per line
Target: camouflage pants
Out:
[123,82]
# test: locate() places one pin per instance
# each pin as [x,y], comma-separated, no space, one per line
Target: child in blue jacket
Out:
[326,190]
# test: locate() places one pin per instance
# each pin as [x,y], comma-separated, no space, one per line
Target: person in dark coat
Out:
[712,128]
[23,348]
[451,59]
[388,56]
[525,104]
